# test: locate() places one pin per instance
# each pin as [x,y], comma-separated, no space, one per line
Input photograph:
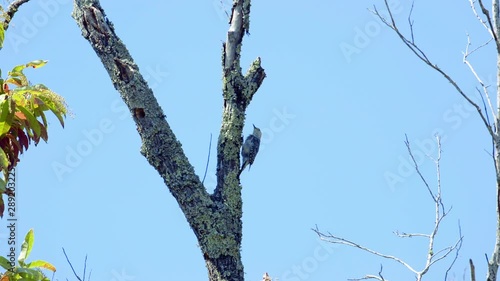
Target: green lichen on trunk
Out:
[216,219]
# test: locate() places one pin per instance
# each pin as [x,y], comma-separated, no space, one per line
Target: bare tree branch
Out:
[492,24]
[479,80]
[74,272]
[410,235]
[459,247]
[391,23]
[432,256]
[367,277]
[330,238]
[11,11]
[410,22]
[84,267]
[415,166]
[488,23]
[494,263]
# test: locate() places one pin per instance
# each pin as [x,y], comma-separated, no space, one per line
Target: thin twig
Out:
[380,273]
[456,252]
[391,23]
[410,21]
[494,126]
[368,277]
[487,24]
[484,104]
[410,235]
[466,54]
[438,174]
[84,267]
[339,240]
[417,169]
[490,23]
[478,47]
[74,272]
[208,159]
[494,26]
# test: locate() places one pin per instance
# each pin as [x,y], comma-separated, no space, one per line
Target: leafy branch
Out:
[28,271]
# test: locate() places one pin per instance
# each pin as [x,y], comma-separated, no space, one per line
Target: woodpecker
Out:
[250,148]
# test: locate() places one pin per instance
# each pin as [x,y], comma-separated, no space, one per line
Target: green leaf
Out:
[4,161]
[5,263]
[41,264]
[32,121]
[29,274]
[26,246]
[4,114]
[43,132]
[3,186]
[15,81]
[17,70]
[49,99]
[59,116]
[44,119]
[37,63]
[2,35]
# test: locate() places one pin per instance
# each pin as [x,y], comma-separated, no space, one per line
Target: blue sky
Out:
[334,123]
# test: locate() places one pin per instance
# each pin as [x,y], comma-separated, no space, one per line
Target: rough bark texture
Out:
[494,262]
[214,218]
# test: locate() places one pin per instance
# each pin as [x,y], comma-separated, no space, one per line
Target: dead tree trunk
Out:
[215,218]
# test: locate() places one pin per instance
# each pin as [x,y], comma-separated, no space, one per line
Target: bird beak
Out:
[254,126]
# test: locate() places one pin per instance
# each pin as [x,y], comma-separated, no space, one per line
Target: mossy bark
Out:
[216,219]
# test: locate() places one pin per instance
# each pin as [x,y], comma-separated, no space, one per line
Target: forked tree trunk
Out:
[215,218]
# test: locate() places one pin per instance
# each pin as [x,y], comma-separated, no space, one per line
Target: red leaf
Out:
[23,139]
[2,207]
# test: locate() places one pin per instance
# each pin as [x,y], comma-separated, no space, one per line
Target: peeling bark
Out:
[214,218]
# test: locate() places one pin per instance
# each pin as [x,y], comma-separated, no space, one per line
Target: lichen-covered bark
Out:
[214,218]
